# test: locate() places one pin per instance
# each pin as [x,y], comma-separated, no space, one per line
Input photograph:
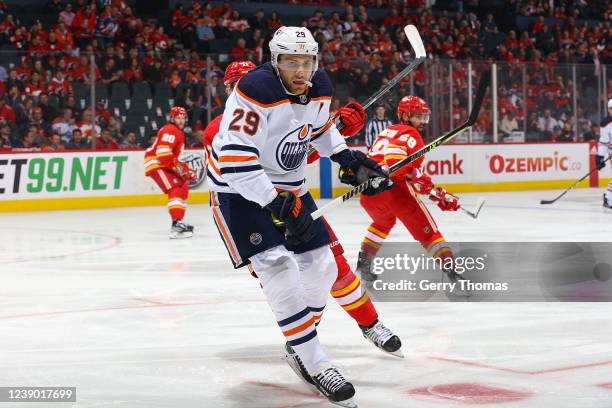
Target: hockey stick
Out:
[483,84]
[414,38]
[412,34]
[573,185]
[473,214]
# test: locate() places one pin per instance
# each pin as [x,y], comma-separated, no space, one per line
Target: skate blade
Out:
[181,235]
[297,371]
[397,353]
[349,403]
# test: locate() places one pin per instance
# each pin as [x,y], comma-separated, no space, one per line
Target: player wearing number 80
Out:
[172,176]
[260,203]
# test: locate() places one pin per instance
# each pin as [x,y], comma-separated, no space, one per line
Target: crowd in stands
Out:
[46,71]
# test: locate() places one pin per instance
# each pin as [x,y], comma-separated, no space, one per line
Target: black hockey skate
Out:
[180,229]
[606,203]
[294,361]
[383,338]
[364,268]
[335,387]
[456,278]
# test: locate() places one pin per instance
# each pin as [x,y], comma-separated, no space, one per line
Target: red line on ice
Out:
[114,242]
[101,309]
[525,372]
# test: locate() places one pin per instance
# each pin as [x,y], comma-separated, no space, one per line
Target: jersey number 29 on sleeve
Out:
[251,122]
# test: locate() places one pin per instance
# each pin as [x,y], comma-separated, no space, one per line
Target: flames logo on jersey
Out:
[293,148]
[196,162]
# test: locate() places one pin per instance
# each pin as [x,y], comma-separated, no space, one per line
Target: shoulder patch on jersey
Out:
[605,121]
[321,85]
[262,87]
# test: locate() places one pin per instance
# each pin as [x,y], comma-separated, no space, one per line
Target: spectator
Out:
[508,123]
[566,134]
[49,112]
[106,142]
[134,73]
[240,51]
[109,73]
[592,135]
[77,142]
[67,16]
[547,123]
[35,86]
[28,141]
[489,25]
[153,73]
[64,125]
[13,81]
[175,79]
[204,34]
[54,144]
[6,111]
[87,126]
[6,142]
[274,22]
[114,126]
[257,20]
[130,141]
[53,6]
[376,125]
[59,85]
[38,121]
[185,100]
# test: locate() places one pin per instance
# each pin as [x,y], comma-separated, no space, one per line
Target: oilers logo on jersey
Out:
[293,148]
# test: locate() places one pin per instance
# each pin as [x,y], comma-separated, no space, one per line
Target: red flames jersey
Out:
[166,150]
[394,144]
[210,132]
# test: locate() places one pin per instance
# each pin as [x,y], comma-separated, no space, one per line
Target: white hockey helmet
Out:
[610,103]
[294,40]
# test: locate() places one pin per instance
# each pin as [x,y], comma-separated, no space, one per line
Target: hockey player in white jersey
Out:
[605,150]
[259,198]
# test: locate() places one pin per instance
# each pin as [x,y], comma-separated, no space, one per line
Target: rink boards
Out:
[75,180]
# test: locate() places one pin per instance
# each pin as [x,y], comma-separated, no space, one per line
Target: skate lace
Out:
[379,333]
[331,379]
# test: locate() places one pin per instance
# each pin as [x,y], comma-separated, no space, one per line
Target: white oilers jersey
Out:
[265,133]
[605,137]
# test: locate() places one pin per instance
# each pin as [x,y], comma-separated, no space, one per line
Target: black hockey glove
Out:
[599,162]
[356,168]
[287,211]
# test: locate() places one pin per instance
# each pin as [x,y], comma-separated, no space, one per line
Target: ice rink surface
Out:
[104,301]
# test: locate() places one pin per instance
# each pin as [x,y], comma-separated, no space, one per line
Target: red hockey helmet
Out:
[236,70]
[413,105]
[177,111]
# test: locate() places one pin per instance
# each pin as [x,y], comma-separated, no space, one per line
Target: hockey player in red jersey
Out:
[347,289]
[402,202]
[171,175]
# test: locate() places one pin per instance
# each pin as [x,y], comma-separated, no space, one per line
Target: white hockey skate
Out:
[383,338]
[180,229]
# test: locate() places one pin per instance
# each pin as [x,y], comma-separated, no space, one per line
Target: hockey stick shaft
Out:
[573,185]
[480,94]
[414,38]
